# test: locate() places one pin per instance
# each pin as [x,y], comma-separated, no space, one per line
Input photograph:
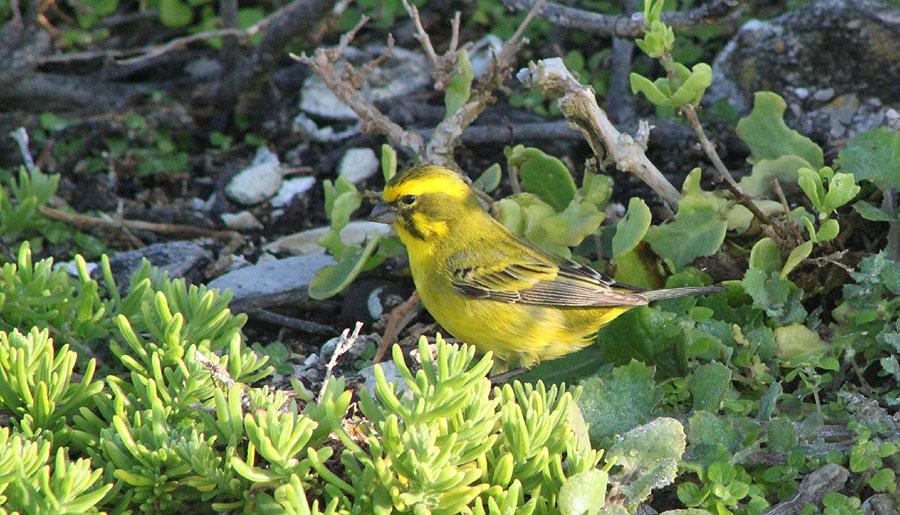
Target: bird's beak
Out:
[383,213]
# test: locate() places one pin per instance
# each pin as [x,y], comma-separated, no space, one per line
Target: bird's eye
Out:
[407,200]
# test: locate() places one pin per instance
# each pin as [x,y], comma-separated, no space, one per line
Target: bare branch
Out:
[21,137]
[625,26]
[345,343]
[446,135]
[86,221]
[307,326]
[579,105]
[145,53]
[344,85]
[217,371]
[296,18]
[442,65]
[398,318]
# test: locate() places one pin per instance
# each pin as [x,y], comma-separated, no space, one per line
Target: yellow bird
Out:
[492,289]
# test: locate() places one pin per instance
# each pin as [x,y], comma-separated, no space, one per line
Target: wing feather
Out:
[527,275]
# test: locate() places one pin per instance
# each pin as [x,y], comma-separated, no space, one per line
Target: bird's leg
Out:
[505,376]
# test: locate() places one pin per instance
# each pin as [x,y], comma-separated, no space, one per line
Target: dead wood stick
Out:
[87,221]
[625,26]
[397,320]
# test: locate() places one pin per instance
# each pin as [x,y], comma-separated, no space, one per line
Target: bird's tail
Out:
[674,293]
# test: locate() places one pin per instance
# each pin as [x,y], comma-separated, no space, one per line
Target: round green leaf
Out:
[583,493]
[875,156]
[544,175]
[631,229]
[765,255]
[828,230]
[175,13]
[490,179]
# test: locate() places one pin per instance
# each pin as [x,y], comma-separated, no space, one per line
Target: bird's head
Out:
[426,202]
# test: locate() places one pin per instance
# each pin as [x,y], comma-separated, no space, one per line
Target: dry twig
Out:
[398,318]
[344,81]
[87,221]
[447,134]
[21,137]
[443,65]
[345,343]
[579,105]
[625,26]
[299,324]
[325,63]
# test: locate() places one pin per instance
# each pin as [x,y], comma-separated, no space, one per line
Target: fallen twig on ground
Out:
[271,317]
[88,222]
[625,26]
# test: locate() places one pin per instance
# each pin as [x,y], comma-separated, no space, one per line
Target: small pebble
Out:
[259,181]
[292,188]
[824,95]
[358,165]
[243,221]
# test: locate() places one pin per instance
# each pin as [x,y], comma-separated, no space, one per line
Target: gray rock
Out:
[273,281]
[71,267]
[259,181]
[243,221]
[838,59]
[326,134]
[290,189]
[318,100]
[405,72]
[483,53]
[306,242]
[204,68]
[177,258]
[358,165]
[390,373]
[824,94]
[879,504]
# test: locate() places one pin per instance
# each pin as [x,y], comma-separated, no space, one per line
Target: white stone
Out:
[483,53]
[318,100]
[259,181]
[71,267]
[391,374]
[824,94]
[405,72]
[243,221]
[290,189]
[306,242]
[358,165]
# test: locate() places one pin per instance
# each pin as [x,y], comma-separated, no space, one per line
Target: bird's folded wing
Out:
[528,280]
